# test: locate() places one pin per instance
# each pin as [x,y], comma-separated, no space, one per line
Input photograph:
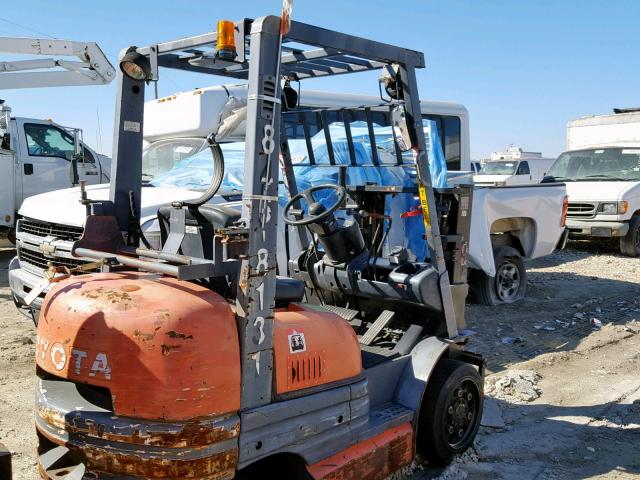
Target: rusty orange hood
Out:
[164,348]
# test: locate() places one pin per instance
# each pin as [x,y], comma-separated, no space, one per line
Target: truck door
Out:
[7,192]
[45,159]
[7,174]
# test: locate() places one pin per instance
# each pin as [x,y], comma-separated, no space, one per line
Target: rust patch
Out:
[120,299]
[52,417]
[158,465]
[167,349]
[183,336]
[194,435]
[145,337]
[373,459]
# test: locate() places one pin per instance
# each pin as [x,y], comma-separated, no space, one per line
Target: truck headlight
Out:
[613,208]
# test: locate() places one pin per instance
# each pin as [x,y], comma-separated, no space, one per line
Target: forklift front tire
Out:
[451,411]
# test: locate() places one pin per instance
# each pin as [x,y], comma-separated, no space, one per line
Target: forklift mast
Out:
[261,60]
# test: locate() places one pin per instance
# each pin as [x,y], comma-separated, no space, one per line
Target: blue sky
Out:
[522,68]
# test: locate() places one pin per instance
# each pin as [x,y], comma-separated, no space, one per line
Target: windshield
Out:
[188,163]
[602,164]
[499,168]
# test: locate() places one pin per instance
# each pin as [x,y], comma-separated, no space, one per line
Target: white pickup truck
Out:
[38,156]
[601,169]
[508,224]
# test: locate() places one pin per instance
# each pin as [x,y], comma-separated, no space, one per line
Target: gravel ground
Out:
[563,395]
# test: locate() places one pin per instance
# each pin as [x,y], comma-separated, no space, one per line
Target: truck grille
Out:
[38,260]
[42,229]
[581,210]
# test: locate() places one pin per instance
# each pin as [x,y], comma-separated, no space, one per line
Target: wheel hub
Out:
[461,414]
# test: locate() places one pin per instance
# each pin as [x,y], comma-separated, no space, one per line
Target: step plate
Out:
[374,330]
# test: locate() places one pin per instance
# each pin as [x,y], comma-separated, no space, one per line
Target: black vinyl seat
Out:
[220,216]
[288,290]
[210,217]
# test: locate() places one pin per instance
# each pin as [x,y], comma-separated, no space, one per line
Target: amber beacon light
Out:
[226,42]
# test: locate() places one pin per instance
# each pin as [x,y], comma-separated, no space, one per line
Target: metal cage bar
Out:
[307,138]
[372,137]
[322,115]
[347,129]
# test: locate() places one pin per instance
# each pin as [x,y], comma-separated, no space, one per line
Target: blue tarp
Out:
[195,172]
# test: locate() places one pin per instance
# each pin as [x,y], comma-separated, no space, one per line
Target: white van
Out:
[513,167]
[601,169]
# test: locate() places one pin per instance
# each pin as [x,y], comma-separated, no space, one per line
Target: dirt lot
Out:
[563,392]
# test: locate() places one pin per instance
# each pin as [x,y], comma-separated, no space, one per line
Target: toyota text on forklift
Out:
[199,361]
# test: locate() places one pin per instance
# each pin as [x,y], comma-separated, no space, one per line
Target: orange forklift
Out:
[205,360]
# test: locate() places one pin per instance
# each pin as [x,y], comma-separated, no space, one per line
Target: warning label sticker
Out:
[297,343]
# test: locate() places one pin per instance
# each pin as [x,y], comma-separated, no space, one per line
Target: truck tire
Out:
[451,411]
[510,283]
[630,243]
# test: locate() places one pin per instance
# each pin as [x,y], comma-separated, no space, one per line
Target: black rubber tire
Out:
[630,243]
[448,376]
[485,288]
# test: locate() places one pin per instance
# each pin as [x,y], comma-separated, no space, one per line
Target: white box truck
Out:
[601,169]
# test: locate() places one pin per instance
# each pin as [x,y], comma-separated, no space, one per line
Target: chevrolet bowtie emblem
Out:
[47,249]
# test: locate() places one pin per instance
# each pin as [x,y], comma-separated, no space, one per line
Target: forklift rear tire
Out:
[451,411]
[630,243]
[510,283]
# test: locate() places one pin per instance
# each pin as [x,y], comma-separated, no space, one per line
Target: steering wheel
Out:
[308,196]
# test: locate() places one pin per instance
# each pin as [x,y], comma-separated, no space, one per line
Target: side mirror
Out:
[77,143]
[548,179]
[401,128]
[73,171]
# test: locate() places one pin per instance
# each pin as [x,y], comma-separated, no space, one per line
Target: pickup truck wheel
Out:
[451,411]
[630,243]
[510,283]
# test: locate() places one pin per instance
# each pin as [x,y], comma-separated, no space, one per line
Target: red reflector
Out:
[412,213]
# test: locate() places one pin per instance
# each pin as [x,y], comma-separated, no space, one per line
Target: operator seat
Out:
[220,216]
[288,290]
[210,217]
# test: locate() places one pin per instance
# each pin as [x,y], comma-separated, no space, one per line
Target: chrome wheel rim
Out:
[508,282]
